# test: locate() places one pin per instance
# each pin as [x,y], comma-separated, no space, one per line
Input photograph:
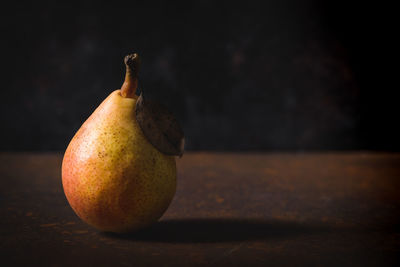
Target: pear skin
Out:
[113,178]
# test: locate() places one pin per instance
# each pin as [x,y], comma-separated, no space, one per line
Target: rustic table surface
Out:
[230,209]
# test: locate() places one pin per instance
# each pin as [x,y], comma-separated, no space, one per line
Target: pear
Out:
[113,176]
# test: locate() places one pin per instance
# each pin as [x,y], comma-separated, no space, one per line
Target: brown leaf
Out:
[160,127]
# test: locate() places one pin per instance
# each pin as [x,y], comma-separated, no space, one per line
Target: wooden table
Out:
[229,210]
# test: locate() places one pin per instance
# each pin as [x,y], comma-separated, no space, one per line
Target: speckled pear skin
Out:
[113,178]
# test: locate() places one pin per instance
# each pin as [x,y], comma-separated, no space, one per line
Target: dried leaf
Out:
[160,127]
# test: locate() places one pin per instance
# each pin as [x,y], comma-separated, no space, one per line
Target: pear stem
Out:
[128,88]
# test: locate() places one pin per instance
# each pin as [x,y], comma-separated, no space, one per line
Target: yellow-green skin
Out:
[113,178]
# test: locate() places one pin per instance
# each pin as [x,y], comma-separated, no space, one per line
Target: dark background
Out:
[293,75]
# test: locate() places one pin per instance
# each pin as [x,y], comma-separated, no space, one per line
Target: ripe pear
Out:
[113,177]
